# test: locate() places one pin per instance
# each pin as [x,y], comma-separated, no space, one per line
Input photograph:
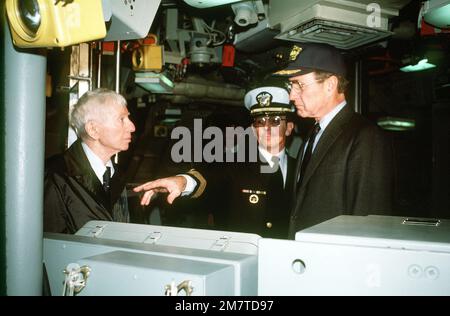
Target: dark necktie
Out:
[308,152]
[275,190]
[107,179]
[277,176]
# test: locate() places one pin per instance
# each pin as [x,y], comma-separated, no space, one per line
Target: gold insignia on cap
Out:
[294,52]
[264,99]
[278,109]
[287,72]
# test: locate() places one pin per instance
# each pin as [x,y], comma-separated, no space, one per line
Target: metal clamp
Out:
[75,279]
[173,290]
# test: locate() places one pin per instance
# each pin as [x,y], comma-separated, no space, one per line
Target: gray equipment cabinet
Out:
[359,255]
[106,258]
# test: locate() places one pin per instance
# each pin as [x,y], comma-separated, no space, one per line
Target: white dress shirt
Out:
[282,162]
[324,123]
[96,163]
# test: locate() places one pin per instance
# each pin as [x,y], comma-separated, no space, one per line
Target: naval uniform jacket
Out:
[243,199]
[73,195]
[349,173]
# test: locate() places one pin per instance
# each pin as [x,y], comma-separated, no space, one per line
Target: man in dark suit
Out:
[346,164]
[82,184]
[247,196]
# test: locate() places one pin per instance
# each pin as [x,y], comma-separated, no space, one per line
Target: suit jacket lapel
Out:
[331,133]
[118,182]
[290,173]
[299,163]
[297,168]
[78,166]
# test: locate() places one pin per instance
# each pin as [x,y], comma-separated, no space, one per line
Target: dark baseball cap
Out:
[309,57]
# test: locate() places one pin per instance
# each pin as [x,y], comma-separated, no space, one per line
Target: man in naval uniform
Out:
[248,196]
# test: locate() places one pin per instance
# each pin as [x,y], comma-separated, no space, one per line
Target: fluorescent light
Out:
[154,82]
[436,16]
[170,121]
[172,115]
[421,65]
[396,123]
[201,4]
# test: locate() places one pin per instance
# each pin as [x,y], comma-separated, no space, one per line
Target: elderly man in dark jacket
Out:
[82,184]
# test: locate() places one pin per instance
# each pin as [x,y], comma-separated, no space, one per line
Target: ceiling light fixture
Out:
[202,4]
[154,82]
[421,65]
[396,123]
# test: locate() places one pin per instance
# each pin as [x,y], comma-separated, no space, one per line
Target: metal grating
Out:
[344,36]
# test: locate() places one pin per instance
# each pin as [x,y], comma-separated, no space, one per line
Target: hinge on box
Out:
[97,230]
[153,237]
[173,290]
[220,244]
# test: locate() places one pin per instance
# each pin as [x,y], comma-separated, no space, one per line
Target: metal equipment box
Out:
[130,273]
[359,255]
[128,259]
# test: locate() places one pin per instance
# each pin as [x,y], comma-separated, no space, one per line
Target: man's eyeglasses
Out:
[298,86]
[272,121]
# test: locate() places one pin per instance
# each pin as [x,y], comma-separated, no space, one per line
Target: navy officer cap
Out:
[268,101]
[309,57]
